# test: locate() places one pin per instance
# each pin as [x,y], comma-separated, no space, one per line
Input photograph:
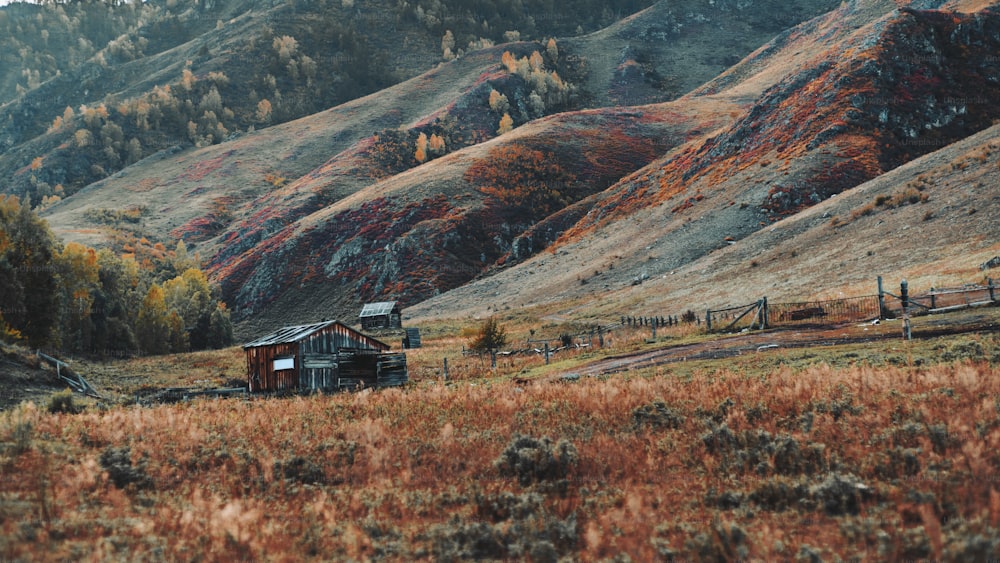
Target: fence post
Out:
[881,300]
[989,284]
[654,331]
[904,298]
[708,319]
[600,336]
[546,353]
[446,369]
[763,312]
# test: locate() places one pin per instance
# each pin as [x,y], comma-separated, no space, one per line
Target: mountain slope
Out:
[224,199]
[409,193]
[179,186]
[828,126]
[439,225]
[196,72]
[832,249]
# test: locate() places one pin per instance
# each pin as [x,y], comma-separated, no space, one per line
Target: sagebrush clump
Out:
[532,460]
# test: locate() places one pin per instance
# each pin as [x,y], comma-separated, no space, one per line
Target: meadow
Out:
[870,451]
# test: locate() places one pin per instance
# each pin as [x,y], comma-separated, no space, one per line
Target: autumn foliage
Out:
[522,184]
[146,299]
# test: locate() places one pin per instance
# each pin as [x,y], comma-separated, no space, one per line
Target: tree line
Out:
[77,299]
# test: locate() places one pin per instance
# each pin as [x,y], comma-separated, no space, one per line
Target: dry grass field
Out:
[875,450]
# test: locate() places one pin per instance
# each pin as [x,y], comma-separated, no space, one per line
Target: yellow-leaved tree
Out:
[421,152]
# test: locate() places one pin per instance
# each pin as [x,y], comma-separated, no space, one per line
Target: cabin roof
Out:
[291,334]
[377,309]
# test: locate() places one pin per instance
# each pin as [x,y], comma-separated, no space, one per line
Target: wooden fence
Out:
[938,300]
[763,314]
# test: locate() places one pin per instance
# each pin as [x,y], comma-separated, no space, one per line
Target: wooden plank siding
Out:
[260,367]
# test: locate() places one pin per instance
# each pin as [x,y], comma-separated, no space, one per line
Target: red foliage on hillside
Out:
[899,90]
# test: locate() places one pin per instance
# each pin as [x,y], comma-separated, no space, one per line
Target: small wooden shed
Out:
[385,314]
[321,356]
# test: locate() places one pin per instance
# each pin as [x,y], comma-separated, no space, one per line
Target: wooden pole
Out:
[446,369]
[546,353]
[881,300]
[708,319]
[989,284]
[904,297]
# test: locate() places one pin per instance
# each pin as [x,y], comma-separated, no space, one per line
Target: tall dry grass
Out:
[876,463]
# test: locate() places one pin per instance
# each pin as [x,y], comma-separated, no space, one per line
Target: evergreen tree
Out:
[220,332]
[491,337]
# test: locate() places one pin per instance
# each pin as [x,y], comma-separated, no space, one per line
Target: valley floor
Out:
[873,449]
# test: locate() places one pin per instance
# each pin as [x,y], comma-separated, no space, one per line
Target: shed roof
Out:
[295,333]
[377,309]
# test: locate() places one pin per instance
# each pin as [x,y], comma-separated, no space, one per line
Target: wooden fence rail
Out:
[70,377]
[763,314]
[940,299]
[752,315]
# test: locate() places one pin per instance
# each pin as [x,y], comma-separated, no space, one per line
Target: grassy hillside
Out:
[410,193]
[674,47]
[924,221]
[681,222]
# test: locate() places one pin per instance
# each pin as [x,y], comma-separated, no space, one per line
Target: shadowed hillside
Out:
[674,47]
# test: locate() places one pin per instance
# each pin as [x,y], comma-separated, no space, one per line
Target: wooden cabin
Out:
[321,357]
[385,314]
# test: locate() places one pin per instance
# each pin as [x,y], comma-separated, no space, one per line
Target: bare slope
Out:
[672,47]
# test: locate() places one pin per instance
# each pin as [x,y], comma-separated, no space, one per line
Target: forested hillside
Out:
[92,87]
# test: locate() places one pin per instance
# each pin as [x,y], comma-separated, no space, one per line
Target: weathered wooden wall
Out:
[260,367]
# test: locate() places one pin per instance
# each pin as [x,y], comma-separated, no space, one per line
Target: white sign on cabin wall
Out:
[284,363]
